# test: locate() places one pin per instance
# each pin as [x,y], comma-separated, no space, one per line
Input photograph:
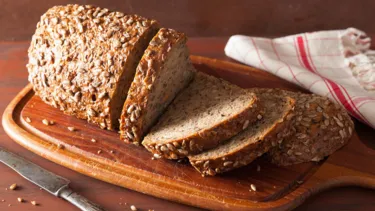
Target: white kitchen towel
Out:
[338,64]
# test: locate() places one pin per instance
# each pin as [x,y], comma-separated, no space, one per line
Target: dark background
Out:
[208,18]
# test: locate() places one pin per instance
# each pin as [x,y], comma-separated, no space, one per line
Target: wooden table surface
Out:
[13,77]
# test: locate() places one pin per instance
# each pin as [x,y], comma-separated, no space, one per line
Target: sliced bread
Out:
[209,111]
[319,128]
[251,143]
[82,60]
[163,71]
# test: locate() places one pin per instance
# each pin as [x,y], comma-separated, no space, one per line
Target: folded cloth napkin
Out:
[337,64]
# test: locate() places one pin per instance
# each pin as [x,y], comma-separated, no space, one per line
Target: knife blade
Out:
[47,180]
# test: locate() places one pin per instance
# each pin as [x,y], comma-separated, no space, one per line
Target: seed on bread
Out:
[319,130]
[85,34]
[156,77]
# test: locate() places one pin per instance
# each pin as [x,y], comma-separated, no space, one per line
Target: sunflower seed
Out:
[182,152]
[171,147]
[163,148]
[157,156]
[13,186]
[27,119]
[130,109]
[339,123]
[91,112]
[46,122]
[205,165]
[227,163]
[173,156]
[191,145]
[129,135]
[71,129]
[132,207]
[245,125]
[211,172]
[253,187]
[176,144]
[77,97]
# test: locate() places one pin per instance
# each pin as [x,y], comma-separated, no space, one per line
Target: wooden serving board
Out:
[278,188]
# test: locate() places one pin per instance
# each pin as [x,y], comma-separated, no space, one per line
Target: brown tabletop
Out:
[13,77]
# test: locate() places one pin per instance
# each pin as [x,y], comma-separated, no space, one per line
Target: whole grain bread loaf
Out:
[82,60]
[253,142]
[209,111]
[319,128]
[163,71]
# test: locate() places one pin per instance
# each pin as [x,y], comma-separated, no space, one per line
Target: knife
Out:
[47,180]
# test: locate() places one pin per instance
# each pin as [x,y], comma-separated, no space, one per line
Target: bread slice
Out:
[243,148]
[319,128]
[82,60]
[163,71]
[209,111]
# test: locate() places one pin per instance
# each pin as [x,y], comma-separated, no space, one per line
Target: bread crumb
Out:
[34,203]
[19,199]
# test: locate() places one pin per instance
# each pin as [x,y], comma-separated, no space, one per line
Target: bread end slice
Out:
[319,128]
[163,71]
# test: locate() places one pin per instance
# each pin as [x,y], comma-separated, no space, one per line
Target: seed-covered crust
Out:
[272,132]
[319,128]
[206,138]
[132,122]
[79,56]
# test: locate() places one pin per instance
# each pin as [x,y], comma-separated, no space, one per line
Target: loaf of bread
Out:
[319,128]
[104,66]
[253,142]
[82,60]
[163,71]
[209,111]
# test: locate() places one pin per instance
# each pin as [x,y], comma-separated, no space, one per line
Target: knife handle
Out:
[78,200]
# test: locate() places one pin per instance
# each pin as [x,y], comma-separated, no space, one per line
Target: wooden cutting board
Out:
[278,188]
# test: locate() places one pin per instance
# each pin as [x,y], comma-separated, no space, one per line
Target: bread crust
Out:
[319,128]
[79,56]
[149,68]
[248,153]
[209,137]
